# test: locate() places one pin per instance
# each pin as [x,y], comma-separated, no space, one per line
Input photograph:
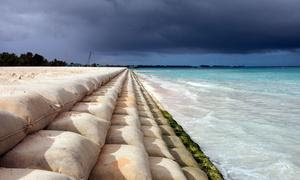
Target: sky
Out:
[168,32]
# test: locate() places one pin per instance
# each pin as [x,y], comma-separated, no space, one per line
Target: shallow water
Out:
[247,120]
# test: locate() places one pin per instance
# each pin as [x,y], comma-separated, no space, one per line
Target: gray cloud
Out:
[143,26]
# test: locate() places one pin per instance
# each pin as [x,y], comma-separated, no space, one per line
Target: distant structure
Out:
[89,59]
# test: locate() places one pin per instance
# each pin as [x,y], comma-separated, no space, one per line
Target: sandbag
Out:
[121,162]
[151,131]
[53,92]
[148,121]
[129,99]
[125,135]
[173,141]
[192,173]
[128,94]
[107,92]
[161,120]
[126,110]
[32,108]
[100,79]
[92,83]
[126,104]
[143,108]
[85,82]
[100,99]
[31,174]
[141,99]
[146,114]
[71,89]
[157,147]
[101,110]
[125,120]
[183,157]
[59,151]
[82,123]
[59,96]
[166,169]
[12,130]
[167,130]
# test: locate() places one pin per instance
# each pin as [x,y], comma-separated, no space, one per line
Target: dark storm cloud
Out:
[138,26]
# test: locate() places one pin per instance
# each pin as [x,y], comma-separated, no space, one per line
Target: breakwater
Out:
[86,123]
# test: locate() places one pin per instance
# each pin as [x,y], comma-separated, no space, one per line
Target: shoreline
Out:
[203,161]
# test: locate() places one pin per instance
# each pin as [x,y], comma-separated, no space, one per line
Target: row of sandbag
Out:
[162,163]
[134,146]
[72,143]
[123,156]
[27,108]
[177,149]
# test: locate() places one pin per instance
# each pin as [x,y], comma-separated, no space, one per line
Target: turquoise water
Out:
[247,120]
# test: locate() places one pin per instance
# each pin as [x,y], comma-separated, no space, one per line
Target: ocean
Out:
[247,120]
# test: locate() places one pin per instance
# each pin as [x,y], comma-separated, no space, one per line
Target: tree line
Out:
[28,59]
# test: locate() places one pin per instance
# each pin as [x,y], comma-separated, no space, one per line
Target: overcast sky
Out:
[239,32]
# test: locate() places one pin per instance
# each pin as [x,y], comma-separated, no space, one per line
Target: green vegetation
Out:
[28,59]
[205,164]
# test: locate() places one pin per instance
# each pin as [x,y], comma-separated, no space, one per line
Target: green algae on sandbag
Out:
[204,162]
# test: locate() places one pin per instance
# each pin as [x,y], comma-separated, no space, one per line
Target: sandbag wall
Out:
[123,156]
[178,151]
[97,126]
[162,163]
[74,133]
[135,147]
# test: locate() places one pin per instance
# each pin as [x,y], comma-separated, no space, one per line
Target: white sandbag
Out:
[31,174]
[59,96]
[87,83]
[101,110]
[148,121]
[161,120]
[125,135]
[109,93]
[81,79]
[12,130]
[53,92]
[157,147]
[192,173]
[166,169]
[37,111]
[126,93]
[128,98]
[151,131]
[141,99]
[146,114]
[110,100]
[72,87]
[93,80]
[126,111]
[109,87]
[125,120]
[59,151]
[173,141]
[121,162]
[167,130]
[100,79]
[126,104]
[143,107]
[82,123]
[183,157]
